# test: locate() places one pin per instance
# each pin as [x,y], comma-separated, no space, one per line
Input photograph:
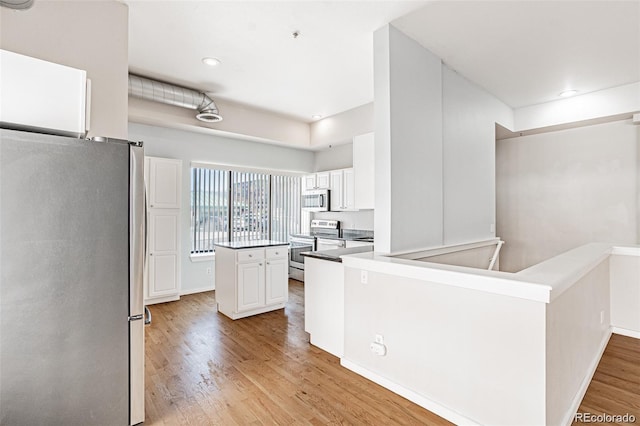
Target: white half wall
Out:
[560,190]
[91,36]
[189,147]
[462,351]
[575,340]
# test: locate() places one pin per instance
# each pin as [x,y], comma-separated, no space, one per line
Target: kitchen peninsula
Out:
[251,277]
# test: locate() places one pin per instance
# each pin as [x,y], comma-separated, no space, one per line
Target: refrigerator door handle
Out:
[147,315]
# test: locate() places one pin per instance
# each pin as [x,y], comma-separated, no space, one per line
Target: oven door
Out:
[329,244]
[296,260]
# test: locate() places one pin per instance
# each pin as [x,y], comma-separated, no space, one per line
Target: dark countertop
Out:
[334,255]
[237,245]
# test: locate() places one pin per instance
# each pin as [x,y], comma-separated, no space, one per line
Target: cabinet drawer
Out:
[250,255]
[276,252]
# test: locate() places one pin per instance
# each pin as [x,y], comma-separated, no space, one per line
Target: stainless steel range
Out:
[323,236]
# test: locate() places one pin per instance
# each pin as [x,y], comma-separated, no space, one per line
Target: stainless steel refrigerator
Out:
[71,268]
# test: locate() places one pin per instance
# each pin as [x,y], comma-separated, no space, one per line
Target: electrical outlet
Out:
[378,349]
[601,317]
[364,277]
[492,227]
[208,271]
[379,339]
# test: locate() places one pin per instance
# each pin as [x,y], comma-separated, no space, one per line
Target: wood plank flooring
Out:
[205,369]
[615,387]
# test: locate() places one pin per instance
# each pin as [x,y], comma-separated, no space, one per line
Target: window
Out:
[240,206]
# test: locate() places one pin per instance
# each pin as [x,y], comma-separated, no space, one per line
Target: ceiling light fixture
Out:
[316,116]
[212,62]
[568,93]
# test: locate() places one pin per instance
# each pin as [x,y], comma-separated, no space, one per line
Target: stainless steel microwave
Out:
[315,200]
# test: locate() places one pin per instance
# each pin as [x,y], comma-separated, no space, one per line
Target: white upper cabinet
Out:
[165,177]
[319,180]
[308,182]
[322,180]
[43,95]
[364,171]
[342,190]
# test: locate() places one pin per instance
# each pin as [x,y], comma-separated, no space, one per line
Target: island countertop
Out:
[238,245]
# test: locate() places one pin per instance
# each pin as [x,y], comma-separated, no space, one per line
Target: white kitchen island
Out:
[251,277]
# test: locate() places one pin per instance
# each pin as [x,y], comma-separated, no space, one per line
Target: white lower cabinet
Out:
[250,286]
[277,281]
[251,281]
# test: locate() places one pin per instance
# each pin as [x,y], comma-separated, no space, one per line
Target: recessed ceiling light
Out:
[212,62]
[568,93]
[316,116]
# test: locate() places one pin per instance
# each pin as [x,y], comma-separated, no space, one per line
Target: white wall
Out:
[333,158]
[239,121]
[469,117]
[557,191]
[349,220]
[625,293]
[457,348]
[91,36]
[341,128]
[408,143]
[603,103]
[188,146]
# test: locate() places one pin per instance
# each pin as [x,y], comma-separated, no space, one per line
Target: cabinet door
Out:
[336,191]
[164,248]
[165,176]
[308,182]
[322,180]
[348,190]
[250,285]
[364,171]
[277,281]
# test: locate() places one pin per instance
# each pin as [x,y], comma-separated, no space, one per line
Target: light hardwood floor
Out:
[615,387]
[205,369]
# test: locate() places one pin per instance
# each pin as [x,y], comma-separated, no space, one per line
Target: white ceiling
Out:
[524,52]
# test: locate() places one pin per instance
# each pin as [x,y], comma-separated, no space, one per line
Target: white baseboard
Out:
[196,290]
[412,396]
[625,332]
[164,299]
[582,390]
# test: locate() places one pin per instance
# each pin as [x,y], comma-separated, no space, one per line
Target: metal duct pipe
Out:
[157,91]
[17,4]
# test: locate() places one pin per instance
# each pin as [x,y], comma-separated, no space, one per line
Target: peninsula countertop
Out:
[238,245]
[335,255]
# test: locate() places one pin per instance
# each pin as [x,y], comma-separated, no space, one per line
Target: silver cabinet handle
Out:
[150,254]
[260,264]
[277,253]
[147,315]
[250,255]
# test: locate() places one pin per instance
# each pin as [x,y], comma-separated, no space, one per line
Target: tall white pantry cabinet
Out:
[163,178]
